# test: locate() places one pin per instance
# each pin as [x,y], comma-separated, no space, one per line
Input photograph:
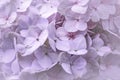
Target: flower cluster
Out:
[57,38]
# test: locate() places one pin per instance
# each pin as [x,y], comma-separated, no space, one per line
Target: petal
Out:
[78,43]
[61,33]
[24,33]
[83,2]
[78,52]
[54,58]
[29,41]
[62,45]
[36,44]
[15,67]
[104,51]
[66,67]
[116,21]
[52,44]
[79,9]
[2,21]
[47,10]
[8,56]
[43,37]
[95,16]
[78,67]
[12,17]
[82,26]
[52,30]
[78,73]
[35,67]
[32,48]
[22,5]
[104,11]
[70,25]
[45,62]
[95,3]
[98,42]
[43,23]
[89,41]
[79,63]
[26,61]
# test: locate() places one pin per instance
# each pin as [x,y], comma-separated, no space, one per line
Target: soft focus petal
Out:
[15,67]
[8,56]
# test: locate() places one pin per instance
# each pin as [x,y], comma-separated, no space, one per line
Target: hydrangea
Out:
[59,39]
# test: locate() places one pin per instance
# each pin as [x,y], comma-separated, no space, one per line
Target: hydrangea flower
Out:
[101,10]
[59,39]
[73,65]
[73,43]
[8,15]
